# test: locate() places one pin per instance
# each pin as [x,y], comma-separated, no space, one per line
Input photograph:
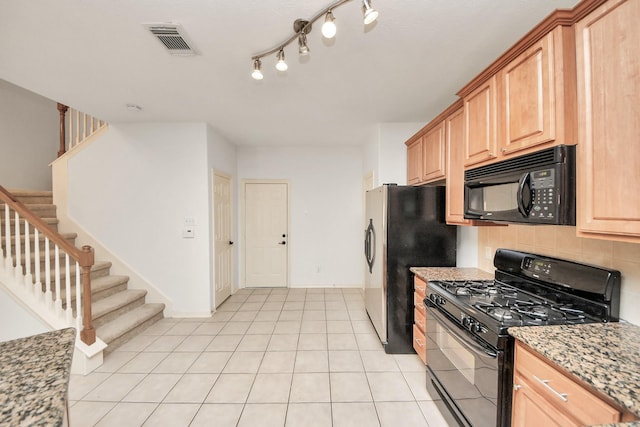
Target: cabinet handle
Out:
[561,396]
[420,342]
[504,150]
[517,387]
[420,306]
[422,289]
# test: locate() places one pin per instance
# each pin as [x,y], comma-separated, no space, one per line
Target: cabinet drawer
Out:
[419,286]
[418,303]
[561,391]
[420,320]
[419,344]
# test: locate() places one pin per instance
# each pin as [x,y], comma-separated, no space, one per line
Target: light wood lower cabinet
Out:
[419,318]
[545,396]
[608,70]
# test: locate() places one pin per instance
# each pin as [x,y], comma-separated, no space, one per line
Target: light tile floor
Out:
[267,357]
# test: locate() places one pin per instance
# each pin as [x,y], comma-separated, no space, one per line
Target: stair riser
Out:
[34,200]
[44,211]
[71,237]
[113,345]
[52,223]
[97,322]
[95,295]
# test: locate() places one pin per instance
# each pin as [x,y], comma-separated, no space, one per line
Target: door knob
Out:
[230,242]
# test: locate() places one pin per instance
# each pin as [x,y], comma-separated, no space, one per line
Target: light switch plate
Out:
[188,233]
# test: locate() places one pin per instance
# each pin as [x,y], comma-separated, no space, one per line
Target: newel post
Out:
[88,333]
[63,110]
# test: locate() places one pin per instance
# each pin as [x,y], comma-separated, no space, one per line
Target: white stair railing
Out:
[19,260]
[76,127]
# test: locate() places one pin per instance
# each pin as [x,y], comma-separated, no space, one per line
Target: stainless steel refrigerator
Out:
[405,228]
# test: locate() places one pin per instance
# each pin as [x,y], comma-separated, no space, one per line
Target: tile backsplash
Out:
[561,242]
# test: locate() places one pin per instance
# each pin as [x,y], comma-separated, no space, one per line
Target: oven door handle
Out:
[462,334]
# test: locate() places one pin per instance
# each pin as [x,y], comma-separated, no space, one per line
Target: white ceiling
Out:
[95,55]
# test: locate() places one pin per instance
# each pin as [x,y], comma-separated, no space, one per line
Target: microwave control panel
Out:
[543,194]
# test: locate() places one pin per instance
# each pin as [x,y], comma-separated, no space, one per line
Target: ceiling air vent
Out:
[173,38]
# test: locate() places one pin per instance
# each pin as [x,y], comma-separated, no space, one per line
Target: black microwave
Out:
[536,188]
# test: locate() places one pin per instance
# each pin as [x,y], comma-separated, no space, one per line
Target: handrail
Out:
[80,127]
[84,257]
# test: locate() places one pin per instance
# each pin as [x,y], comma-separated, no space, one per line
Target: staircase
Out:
[118,313]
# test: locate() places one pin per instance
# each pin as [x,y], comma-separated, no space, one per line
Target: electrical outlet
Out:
[488,253]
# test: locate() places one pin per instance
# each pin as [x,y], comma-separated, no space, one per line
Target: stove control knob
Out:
[466,322]
[478,328]
[437,299]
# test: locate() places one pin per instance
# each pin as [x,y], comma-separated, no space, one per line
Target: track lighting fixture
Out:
[370,14]
[303,48]
[302,27]
[281,65]
[257,73]
[329,26]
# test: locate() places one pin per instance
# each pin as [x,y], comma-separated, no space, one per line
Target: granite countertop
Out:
[605,356]
[451,273]
[34,378]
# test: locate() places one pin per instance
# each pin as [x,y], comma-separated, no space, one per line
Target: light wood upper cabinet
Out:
[545,396]
[608,70]
[454,129]
[433,151]
[414,161]
[426,154]
[527,104]
[480,124]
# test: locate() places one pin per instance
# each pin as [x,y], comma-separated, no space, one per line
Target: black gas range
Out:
[469,351]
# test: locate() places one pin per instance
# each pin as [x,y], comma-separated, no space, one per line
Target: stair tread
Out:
[98,285]
[118,327]
[106,305]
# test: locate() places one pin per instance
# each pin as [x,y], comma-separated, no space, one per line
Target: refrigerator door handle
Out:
[370,245]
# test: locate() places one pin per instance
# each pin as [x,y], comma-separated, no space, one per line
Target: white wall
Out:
[132,190]
[16,321]
[326,209]
[29,138]
[386,155]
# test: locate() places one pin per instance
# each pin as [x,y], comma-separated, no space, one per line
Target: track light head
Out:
[303,48]
[370,14]
[329,26]
[257,72]
[281,65]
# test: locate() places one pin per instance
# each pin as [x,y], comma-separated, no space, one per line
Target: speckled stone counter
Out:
[34,378]
[605,356]
[450,273]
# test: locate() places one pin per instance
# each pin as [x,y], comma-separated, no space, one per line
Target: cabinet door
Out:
[480,124]
[433,150]
[608,70]
[454,127]
[531,409]
[414,162]
[526,98]
[556,392]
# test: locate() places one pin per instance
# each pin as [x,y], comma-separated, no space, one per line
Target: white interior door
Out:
[223,238]
[266,234]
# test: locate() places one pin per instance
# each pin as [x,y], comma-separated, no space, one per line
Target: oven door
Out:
[463,368]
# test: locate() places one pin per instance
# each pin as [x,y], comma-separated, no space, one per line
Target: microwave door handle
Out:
[524,185]
[468,340]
